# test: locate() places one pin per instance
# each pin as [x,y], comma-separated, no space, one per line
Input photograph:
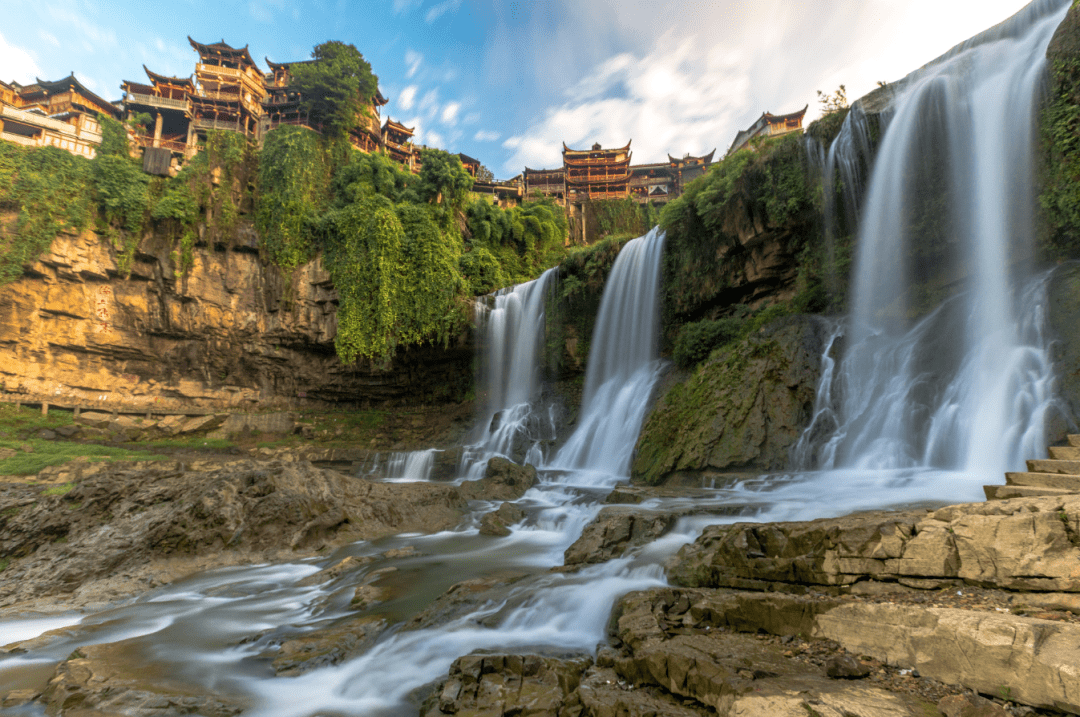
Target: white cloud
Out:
[450,113]
[486,136]
[407,98]
[402,6]
[433,139]
[472,118]
[17,63]
[687,79]
[49,38]
[430,102]
[441,9]
[94,38]
[412,62]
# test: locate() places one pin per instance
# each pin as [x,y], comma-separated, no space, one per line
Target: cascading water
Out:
[511,331]
[949,204]
[623,363]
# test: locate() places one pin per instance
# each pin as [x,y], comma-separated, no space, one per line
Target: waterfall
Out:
[623,362]
[511,332]
[948,210]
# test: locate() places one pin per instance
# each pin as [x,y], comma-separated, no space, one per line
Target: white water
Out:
[962,395]
[623,363]
[511,331]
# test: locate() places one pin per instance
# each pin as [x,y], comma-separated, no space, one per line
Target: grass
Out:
[4,562]
[24,420]
[54,453]
[59,489]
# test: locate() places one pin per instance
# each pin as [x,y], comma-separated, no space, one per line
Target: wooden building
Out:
[397,141]
[472,166]
[769,125]
[231,90]
[63,114]
[596,173]
[549,182]
[168,101]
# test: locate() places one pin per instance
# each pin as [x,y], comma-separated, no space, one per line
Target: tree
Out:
[443,180]
[484,175]
[833,103]
[336,88]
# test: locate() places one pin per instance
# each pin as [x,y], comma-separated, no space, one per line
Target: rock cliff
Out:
[232,331]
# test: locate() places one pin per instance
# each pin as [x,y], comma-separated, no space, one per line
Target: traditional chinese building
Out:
[596,173]
[231,90]
[769,125]
[397,140]
[60,114]
[549,182]
[472,166]
[168,102]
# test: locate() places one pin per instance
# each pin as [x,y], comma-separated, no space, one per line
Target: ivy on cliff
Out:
[1060,196]
[524,240]
[293,186]
[49,191]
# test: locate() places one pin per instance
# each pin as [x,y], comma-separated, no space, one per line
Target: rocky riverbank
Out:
[100,532]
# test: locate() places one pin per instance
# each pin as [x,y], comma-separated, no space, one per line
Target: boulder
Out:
[498,522]
[503,480]
[614,531]
[328,646]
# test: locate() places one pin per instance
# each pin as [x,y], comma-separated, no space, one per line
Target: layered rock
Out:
[231,331]
[1018,544]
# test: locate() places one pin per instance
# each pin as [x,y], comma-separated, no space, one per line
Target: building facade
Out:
[61,114]
[769,125]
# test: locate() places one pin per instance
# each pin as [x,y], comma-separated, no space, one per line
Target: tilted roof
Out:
[183,81]
[68,83]
[224,49]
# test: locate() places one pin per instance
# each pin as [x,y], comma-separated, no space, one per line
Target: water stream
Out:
[914,412]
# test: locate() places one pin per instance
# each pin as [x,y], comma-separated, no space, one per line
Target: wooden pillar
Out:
[44,408]
[157,130]
[78,411]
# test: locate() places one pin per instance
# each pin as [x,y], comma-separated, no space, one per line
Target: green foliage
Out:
[443,179]
[50,190]
[336,88]
[59,489]
[834,102]
[114,140]
[767,184]
[609,217]
[365,174]
[525,240]
[1060,175]
[482,271]
[697,340]
[585,269]
[825,129]
[293,184]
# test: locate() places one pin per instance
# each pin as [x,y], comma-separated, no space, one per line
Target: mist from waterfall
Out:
[948,209]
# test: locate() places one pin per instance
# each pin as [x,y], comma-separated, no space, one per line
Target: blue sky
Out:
[507,82]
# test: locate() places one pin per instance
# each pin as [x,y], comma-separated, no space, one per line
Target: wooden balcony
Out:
[36,120]
[216,124]
[172,145]
[218,70]
[155,101]
[575,162]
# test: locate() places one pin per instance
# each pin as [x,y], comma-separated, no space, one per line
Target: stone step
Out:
[1074,441]
[1065,453]
[1004,492]
[1045,480]
[1053,466]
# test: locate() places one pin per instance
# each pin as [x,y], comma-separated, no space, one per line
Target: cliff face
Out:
[230,332]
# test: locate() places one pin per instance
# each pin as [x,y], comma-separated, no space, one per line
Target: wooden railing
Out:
[215,124]
[570,162]
[169,144]
[218,69]
[32,118]
[156,101]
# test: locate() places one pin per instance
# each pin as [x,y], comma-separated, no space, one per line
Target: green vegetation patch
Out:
[54,453]
[24,421]
[59,489]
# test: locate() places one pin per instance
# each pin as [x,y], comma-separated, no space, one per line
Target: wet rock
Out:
[498,522]
[1018,544]
[846,667]
[46,435]
[110,680]
[970,706]
[336,570]
[68,431]
[614,531]
[122,517]
[503,480]
[464,598]
[497,685]
[328,646]
[368,593]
